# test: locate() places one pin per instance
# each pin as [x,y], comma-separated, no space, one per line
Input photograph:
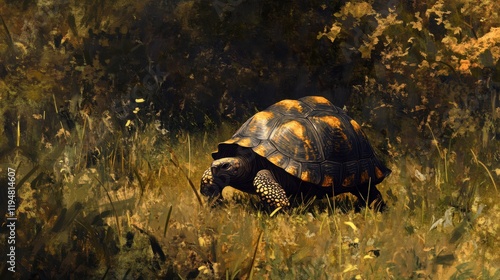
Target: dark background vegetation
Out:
[81,81]
[198,63]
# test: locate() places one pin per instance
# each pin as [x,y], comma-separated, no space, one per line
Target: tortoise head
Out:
[230,170]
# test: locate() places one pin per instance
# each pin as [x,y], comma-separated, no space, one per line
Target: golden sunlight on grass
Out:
[441,223]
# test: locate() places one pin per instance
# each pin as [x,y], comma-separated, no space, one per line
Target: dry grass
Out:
[140,217]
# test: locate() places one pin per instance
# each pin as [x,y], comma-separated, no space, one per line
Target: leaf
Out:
[449,40]
[446,220]
[418,23]
[464,66]
[421,177]
[358,10]
[436,224]
[350,267]
[366,51]
[332,34]
[352,225]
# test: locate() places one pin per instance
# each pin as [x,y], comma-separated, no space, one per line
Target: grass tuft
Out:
[477,161]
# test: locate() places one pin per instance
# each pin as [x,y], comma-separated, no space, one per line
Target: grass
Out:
[141,218]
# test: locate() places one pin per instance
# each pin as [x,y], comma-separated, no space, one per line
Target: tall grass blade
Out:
[368,196]
[28,175]
[175,162]
[167,221]
[275,211]
[155,245]
[10,41]
[485,168]
[189,155]
[250,274]
[18,142]
[112,205]
[213,249]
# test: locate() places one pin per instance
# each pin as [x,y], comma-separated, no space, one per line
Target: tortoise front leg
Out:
[270,191]
[208,187]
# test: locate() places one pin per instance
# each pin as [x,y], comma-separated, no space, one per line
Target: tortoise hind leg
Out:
[369,195]
[269,190]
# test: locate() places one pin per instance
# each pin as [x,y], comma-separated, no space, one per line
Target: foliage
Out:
[427,56]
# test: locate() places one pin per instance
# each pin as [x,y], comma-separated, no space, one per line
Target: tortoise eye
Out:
[225,166]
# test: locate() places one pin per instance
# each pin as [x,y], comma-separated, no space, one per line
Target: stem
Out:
[485,168]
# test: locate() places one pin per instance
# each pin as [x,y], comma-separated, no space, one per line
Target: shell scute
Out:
[290,108]
[295,139]
[278,159]
[264,149]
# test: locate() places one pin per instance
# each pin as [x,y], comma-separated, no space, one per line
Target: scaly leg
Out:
[208,187]
[270,191]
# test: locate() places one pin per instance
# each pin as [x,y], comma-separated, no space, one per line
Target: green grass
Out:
[142,188]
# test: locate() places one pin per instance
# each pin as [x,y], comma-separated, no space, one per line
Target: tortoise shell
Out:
[310,139]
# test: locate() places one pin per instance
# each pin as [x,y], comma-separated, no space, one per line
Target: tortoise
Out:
[306,147]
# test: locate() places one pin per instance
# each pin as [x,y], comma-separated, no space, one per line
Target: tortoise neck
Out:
[244,180]
[245,163]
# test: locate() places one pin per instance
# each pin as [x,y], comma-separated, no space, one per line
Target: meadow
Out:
[138,214]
